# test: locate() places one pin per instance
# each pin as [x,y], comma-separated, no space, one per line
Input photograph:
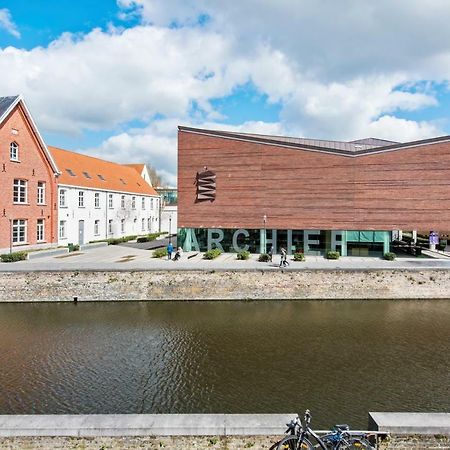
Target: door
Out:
[81,232]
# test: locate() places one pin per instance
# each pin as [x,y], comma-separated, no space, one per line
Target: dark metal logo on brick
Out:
[206,185]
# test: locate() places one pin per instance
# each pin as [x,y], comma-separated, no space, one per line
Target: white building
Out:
[99,199]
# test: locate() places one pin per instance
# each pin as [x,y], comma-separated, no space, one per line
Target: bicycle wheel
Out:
[357,444]
[291,442]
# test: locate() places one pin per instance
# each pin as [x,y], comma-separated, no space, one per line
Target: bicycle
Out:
[340,437]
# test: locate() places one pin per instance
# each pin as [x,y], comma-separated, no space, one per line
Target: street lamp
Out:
[170,229]
[265,234]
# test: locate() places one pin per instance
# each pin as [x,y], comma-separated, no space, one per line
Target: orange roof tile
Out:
[138,167]
[97,173]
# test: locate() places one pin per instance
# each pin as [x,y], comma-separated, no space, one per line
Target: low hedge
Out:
[389,256]
[160,252]
[243,255]
[331,254]
[211,254]
[264,257]
[299,256]
[13,257]
[149,237]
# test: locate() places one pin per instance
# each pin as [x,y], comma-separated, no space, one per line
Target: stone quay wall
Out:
[396,442]
[223,285]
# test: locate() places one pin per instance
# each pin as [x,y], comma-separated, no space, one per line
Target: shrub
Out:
[160,252]
[244,254]
[299,256]
[75,248]
[211,254]
[143,239]
[389,256]
[331,254]
[13,257]
[442,244]
[264,257]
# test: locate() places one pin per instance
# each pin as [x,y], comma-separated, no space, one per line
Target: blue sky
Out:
[115,77]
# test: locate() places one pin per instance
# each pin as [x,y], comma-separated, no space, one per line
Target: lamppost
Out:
[170,229]
[265,234]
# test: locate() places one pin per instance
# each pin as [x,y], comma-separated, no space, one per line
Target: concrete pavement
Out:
[120,257]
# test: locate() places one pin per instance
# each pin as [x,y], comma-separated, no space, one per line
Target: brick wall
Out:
[32,167]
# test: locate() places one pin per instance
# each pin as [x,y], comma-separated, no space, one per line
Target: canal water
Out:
[340,359]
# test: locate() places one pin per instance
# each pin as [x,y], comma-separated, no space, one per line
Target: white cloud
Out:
[7,23]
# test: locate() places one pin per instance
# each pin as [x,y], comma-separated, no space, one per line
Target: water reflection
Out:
[340,359]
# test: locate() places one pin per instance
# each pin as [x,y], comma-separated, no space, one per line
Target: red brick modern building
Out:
[240,190]
[27,180]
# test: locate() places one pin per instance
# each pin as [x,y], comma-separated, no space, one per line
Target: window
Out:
[71,172]
[41,193]
[143,203]
[20,191]
[62,229]
[97,227]
[110,201]
[14,151]
[122,226]
[62,198]
[110,226]
[149,224]
[133,202]
[101,177]
[81,199]
[97,200]
[86,174]
[122,201]
[40,231]
[151,203]
[122,181]
[143,225]
[19,231]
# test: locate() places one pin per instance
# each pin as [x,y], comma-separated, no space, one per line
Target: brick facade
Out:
[32,166]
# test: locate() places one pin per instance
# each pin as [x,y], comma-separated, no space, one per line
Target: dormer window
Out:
[86,174]
[14,151]
[71,172]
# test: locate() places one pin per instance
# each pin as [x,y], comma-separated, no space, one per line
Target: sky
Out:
[114,78]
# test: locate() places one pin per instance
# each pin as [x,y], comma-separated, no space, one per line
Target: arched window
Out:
[14,151]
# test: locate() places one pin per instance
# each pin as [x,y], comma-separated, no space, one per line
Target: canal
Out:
[340,359]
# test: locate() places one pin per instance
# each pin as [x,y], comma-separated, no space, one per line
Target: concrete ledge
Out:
[46,253]
[144,425]
[410,423]
[93,245]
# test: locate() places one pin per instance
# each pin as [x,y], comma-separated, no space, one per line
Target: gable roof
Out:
[95,173]
[138,167]
[7,104]
[353,148]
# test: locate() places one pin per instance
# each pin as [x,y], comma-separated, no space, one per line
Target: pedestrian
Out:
[169,251]
[271,253]
[283,260]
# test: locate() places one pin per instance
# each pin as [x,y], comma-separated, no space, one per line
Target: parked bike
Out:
[340,438]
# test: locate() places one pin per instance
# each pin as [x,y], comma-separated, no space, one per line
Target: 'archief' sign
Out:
[206,186]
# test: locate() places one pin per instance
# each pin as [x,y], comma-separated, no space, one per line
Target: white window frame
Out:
[110,201]
[110,226]
[97,200]
[143,203]
[62,198]
[20,187]
[143,225]
[133,202]
[14,151]
[96,227]
[40,230]
[41,193]
[149,224]
[151,203]
[80,199]
[122,201]
[62,233]
[122,226]
[19,229]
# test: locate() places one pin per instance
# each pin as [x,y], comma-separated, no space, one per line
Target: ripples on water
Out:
[340,359]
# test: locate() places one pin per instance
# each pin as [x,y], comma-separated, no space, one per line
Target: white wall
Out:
[166,213]
[72,214]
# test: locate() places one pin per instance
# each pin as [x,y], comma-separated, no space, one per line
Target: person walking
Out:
[271,253]
[169,251]
[283,260]
[177,254]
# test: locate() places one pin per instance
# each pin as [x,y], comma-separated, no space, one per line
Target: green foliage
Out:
[160,252]
[211,254]
[264,257]
[149,237]
[299,256]
[389,256]
[75,248]
[212,441]
[13,257]
[331,254]
[442,244]
[243,255]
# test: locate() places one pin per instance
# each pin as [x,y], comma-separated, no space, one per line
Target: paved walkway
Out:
[121,257]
